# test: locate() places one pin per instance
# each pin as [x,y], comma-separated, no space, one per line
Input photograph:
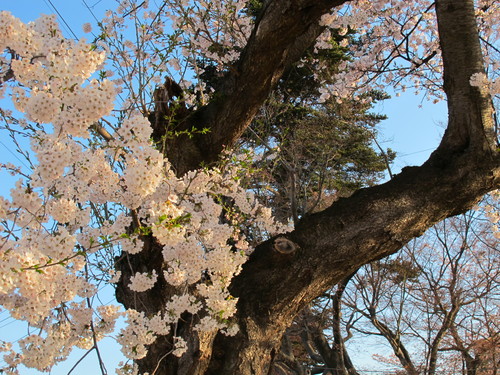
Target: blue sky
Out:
[413,130]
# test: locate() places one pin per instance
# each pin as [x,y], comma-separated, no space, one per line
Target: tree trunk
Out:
[342,364]
[373,223]
[398,347]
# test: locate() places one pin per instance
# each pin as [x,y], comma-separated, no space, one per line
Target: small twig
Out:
[99,129]
[489,44]
[159,361]
[384,154]
[94,338]
[134,9]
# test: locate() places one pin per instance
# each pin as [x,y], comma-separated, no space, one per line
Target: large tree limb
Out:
[378,221]
[375,222]
[470,111]
[284,30]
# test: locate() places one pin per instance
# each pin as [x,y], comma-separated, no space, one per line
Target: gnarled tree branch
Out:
[378,221]
[373,223]
[284,30]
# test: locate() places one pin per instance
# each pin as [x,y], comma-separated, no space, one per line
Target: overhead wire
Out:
[90,10]
[50,4]
[417,152]
[14,154]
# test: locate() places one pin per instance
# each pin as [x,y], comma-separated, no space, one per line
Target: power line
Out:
[61,17]
[90,10]
[417,152]
[14,154]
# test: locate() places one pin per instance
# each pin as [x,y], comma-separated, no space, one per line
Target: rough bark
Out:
[284,30]
[371,224]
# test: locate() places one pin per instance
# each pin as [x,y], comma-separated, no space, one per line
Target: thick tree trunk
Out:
[371,224]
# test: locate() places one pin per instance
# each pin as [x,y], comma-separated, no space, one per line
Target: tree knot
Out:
[284,245]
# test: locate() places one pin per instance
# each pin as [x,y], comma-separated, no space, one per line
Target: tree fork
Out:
[373,223]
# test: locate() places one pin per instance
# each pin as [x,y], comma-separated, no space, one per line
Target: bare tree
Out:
[435,302]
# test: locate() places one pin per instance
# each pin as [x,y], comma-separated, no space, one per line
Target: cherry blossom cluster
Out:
[481,80]
[218,30]
[178,39]
[394,38]
[184,215]
[52,226]
[42,265]
[51,71]
[398,46]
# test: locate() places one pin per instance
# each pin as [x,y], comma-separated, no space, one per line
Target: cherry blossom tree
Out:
[147,196]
